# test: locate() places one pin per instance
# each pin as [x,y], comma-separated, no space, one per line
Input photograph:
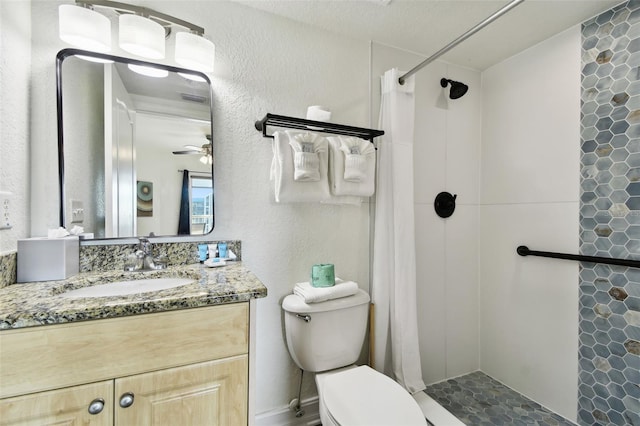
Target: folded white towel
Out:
[306,156]
[356,152]
[344,200]
[312,294]
[339,185]
[287,189]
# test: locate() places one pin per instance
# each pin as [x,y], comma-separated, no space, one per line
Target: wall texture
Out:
[525,110]
[446,151]
[15,63]
[529,195]
[610,218]
[263,64]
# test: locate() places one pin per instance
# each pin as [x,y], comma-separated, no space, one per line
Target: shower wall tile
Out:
[430,144]
[530,124]
[529,195]
[462,143]
[461,299]
[529,305]
[431,292]
[609,354]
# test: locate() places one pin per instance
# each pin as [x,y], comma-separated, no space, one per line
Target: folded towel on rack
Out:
[306,155]
[312,294]
[287,189]
[356,153]
[337,163]
[344,200]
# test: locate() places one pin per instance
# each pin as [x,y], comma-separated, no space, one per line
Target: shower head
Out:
[457,89]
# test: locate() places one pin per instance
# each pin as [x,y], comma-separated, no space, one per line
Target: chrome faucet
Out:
[144,260]
[145,251]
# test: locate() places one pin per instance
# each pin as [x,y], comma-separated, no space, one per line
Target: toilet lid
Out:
[362,396]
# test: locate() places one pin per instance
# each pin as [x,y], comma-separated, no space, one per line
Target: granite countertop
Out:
[44,303]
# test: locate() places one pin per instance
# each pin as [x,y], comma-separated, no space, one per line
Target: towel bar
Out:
[524,251]
[317,126]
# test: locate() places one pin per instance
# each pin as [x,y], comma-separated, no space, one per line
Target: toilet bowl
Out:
[361,396]
[326,338]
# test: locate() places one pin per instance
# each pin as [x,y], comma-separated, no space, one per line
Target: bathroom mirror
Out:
[134,147]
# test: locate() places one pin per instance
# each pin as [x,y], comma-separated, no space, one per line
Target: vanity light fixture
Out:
[141,36]
[141,31]
[84,28]
[195,52]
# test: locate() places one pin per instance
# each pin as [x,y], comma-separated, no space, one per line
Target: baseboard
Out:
[286,417]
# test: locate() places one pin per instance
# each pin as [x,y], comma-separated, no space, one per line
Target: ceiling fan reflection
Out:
[205,152]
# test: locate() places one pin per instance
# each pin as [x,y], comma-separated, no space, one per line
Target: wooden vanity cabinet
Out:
[69,406]
[186,367]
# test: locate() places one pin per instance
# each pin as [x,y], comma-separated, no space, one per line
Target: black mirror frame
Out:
[60,57]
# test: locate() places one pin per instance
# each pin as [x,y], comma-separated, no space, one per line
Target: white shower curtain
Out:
[396,349]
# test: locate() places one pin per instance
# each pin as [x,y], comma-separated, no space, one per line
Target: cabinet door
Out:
[69,406]
[209,393]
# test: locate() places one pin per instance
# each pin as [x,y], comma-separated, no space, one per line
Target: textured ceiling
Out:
[426,26]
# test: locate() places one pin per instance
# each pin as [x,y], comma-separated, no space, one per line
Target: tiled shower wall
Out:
[609,356]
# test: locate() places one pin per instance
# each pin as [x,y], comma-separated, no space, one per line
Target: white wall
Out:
[529,190]
[15,61]
[263,64]
[446,151]
[529,196]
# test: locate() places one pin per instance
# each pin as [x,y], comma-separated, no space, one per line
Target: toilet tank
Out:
[333,335]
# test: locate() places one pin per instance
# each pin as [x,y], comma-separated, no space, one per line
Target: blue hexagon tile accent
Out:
[609,353]
[477,399]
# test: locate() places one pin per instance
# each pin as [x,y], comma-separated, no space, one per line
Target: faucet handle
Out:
[133,262]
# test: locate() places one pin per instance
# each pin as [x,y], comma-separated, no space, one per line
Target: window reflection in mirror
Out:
[201,195]
[124,140]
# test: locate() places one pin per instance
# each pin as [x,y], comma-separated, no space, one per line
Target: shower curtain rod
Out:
[460,39]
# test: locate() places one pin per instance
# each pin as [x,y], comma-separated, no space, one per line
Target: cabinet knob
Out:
[126,400]
[96,406]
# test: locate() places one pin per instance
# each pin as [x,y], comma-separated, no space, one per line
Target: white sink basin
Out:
[123,288]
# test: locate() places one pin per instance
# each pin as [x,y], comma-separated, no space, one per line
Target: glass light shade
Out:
[195,52]
[84,28]
[141,36]
[148,71]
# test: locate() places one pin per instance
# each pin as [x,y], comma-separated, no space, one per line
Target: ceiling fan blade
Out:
[189,152]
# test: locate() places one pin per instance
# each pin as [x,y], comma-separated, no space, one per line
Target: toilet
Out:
[326,338]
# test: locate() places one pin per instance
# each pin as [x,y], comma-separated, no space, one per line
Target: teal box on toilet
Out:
[323,275]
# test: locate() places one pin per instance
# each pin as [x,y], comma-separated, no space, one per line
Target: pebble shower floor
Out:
[477,399]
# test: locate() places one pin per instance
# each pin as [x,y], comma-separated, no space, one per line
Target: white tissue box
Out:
[44,259]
